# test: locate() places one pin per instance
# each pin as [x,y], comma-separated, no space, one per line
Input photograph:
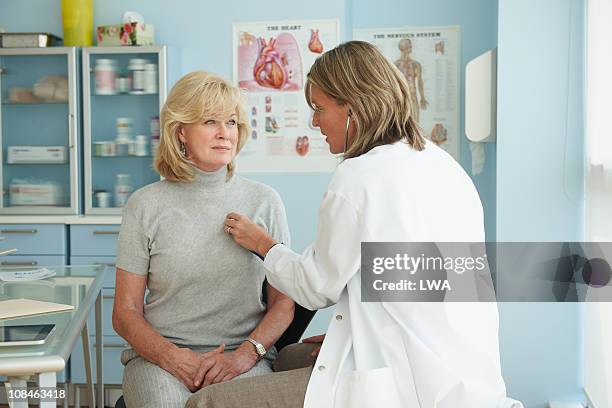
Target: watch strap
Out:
[259,348]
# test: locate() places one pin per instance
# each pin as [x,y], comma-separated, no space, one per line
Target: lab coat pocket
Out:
[368,389]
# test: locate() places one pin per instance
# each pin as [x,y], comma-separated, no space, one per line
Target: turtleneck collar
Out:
[210,181]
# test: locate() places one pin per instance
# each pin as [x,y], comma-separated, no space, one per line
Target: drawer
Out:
[35,239]
[113,369]
[34,261]
[93,240]
[108,261]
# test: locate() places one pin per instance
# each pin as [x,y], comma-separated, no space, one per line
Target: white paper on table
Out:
[27,307]
[21,276]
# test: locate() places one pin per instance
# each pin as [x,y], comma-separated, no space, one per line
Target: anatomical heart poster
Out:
[271,60]
[428,57]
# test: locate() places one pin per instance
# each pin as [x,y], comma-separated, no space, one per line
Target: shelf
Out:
[36,163]
[36,206]
[121,157]
[4,103]
[124,94]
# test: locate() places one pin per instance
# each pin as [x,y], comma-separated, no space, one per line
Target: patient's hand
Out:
[184,364]
[315,339]
[220,367]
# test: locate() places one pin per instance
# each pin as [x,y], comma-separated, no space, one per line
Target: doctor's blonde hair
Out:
[357,73]
[196,97]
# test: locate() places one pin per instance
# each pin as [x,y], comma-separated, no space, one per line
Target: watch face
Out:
[261,350]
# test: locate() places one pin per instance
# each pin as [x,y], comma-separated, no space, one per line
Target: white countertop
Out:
[61,219]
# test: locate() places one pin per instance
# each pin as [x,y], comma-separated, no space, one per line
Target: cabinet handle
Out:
[112,265]
[7,263]
[112,346]
[108,297]
[18,231]
[99,232]
[70,133]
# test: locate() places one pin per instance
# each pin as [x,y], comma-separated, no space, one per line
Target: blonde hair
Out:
[357,73]
[196,97]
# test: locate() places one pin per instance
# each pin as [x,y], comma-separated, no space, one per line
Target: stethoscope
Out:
[346,130]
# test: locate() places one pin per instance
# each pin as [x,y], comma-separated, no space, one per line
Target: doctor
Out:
[394,185]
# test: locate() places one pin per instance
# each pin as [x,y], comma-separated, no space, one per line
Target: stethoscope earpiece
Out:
[348,122]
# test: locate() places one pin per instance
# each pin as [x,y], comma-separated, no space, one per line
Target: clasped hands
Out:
[198,370]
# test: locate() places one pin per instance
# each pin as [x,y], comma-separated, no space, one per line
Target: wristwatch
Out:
[259,348]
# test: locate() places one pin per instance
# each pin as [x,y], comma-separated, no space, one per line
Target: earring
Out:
[183,149]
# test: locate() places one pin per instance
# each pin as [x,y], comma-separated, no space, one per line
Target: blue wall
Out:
[533,170]
[539,183]
[200,35]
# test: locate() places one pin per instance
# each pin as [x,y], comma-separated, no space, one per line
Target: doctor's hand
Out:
[315,339]
[219,367]
[247,234]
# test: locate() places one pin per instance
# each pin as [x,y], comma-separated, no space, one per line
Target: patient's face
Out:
[211,144]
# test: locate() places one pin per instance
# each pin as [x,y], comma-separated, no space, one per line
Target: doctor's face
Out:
[331,117]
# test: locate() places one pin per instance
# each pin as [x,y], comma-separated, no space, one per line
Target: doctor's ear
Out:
[181,134]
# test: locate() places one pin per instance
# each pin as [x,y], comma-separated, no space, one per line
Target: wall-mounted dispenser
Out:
[481,105]
[481,97]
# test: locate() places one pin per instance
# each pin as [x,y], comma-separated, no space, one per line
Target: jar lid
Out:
[151,67]
[124,121]
[137,63]
[104,61]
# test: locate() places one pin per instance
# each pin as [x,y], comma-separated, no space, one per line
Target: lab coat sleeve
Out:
[316,278]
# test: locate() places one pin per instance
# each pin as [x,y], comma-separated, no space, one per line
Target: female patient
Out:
[204,304]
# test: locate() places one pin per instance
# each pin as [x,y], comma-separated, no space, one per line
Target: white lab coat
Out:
[393,355]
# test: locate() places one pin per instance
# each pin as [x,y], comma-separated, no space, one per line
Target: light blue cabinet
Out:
[108,261]
[97,244]
[93,240]
[120,122]
[35,239]
[39,131]
[113,369]
[37,245]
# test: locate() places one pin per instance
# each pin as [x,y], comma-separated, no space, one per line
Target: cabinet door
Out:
[38,131]
[124,89]
[108,261]
[112,368]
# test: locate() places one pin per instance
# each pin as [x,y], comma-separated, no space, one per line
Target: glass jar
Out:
[141,146]
[122,84]
[123,189]
[136,73]
[150,79]
[105,76]
[155,136]
[102,198]
[124,136]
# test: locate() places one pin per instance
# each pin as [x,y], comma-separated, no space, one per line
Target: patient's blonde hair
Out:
[196,97]
[357,73]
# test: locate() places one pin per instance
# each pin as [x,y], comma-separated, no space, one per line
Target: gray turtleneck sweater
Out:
[204,289]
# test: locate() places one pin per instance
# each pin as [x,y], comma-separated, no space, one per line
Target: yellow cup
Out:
[77,17]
